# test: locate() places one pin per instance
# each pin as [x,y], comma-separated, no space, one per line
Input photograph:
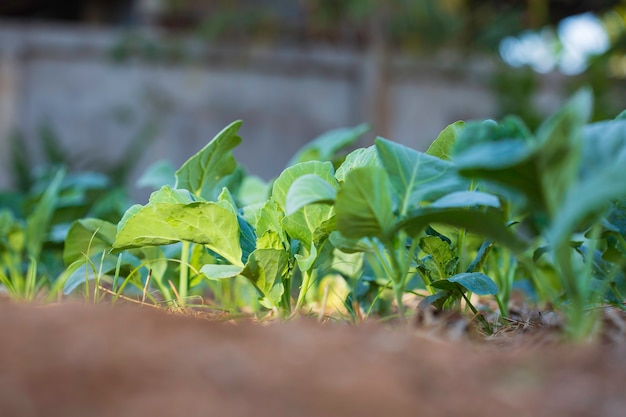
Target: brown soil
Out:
[74,360]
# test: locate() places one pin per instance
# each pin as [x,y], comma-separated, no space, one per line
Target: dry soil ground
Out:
[74,360]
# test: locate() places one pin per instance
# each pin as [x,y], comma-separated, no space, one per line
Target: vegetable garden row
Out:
[490,208]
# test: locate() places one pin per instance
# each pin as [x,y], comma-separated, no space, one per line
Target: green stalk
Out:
[308,277]
[183,282]
[285,301]
[397,278]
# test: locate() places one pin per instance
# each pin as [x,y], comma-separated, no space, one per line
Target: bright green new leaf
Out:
[363,157]
[304,223]
[309,189]
[167,194]
[164,223]
[443,257]
[364,204]
[323,170]
[203,171]
[442,146]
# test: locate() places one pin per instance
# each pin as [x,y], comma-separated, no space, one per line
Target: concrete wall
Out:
[65,77]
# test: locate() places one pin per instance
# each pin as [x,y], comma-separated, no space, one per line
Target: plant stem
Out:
[183,283]
[307,280]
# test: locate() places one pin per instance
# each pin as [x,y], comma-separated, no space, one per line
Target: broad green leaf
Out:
[489,131]
[415,176]
[309,189]
[157,175]
[164,223]
[442,146]
[359,158]
[324,170]
[203,171]
[88,237]
[476,282]
[364,204]
[324,147]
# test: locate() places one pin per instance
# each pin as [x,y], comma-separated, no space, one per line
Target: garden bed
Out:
[76,360]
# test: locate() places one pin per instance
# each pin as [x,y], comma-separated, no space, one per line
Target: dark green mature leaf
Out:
[415,176]
[603,143]
[476,282]
[484,221]
[323,170]
[364,204]
[363,157]
[587,200]
[309,189]
[443,145]
[164,223]
[203,171]
[467,199]
[508,162]
[558,158]
[324,147]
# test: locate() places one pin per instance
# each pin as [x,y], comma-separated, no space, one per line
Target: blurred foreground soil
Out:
[75,360]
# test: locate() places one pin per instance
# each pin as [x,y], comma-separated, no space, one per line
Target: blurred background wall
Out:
[115,85]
